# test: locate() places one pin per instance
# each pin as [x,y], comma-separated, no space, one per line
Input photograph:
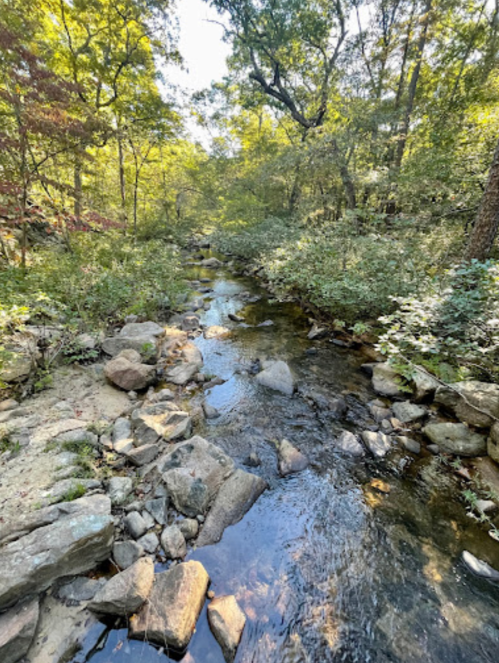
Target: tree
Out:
[484,230]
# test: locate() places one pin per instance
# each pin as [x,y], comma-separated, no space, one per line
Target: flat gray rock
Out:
[407,412]
[149,542]
[71,545]
[80,589]
[235,498]
[126,553]
[135,524]
[349,443]
[119,488]
[386,382]
[173,542]
[158,509]
[17,629]
[456,439]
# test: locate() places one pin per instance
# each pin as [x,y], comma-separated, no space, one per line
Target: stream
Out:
[325,567]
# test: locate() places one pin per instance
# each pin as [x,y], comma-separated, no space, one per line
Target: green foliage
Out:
[73,493]
[104,278]
[454,324]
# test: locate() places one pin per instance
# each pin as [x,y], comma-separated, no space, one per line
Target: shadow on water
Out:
[325,568]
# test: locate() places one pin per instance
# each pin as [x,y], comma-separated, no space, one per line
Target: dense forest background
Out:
[354,162]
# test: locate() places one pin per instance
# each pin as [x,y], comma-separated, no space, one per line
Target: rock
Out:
[317,332]
[227,622]
[349,444]
[182,373]
[71,545]
[8,404]
[480,394]
[17,368]
[157,508]
[211,263]
[193,473]
[173,543]
[123,446]
[266,323]
[235,318]
[79,436]
[161,396]
[126,553]
[122,429]
[68,489]
[456,439]
[169,617]
[235,498]
[162,420]
[118,489]
[17,629]
[215,331]
[379,413]
[125,592]
[425,385]
[143,455]
[386,381]
[277,376]
[148,519]
[135,524]
[190,322]
[408,443]
[407,412]
[377,443]
[485,506]
[80,589]
[493,443]
[210,412]
[129,375]
[189,528]
[141,337]
[149,542]
[253,460]
[88,341]
[480,568]
[290,459]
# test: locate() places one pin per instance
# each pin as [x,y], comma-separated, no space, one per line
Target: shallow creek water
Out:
[325,568]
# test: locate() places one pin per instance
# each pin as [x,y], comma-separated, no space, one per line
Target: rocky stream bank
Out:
[233,485]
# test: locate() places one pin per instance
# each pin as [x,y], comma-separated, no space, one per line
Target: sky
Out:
[204,55]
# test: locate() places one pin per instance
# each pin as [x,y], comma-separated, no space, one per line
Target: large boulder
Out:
[17,368]
[169,617]
[71,545]
[193,473]
[236,496]
[473,402]
[387,382]
[162,420]
[290,459]
[17,629]
[127,372]
[456,439]
[277,376]
[125,592]
[139,336]
[227,622]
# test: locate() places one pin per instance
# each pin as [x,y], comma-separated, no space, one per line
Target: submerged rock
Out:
[125,592]
[169,617]
[235,498]
[17,629]
[290,459]
[456,439]
[227,622]
[277,376]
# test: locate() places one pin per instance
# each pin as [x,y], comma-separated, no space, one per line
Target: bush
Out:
[103,279]
[455,324]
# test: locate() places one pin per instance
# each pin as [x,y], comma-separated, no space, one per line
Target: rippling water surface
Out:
[326,568]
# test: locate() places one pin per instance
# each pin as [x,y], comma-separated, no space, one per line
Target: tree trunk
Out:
[77,189]
[346,178]
[121,159]
[484,231]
